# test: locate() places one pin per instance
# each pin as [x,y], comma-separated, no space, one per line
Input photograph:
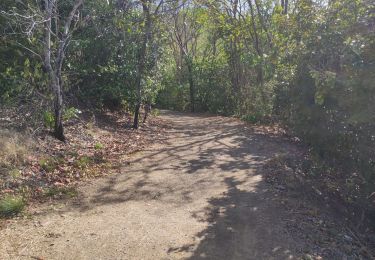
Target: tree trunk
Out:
[147,111]
[191,84]
[141,62]
[136,115]
[139,88]
[257,45]
[59,129]
[286,7]
[52,74]
[260,80]
[235,68]
[55,79]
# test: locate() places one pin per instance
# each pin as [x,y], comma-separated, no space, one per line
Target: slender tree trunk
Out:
[260,80]
[286,7]
[147,111]
[59,104]
[53,76]
[235,68]
[261,20]
[191,83]
[55,79]
[59,129]
[141,65]
[141,61]
[136,115]
[258,48]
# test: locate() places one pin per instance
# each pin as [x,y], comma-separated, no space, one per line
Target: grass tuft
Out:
[14,149]
[83,162]
[11,206]
[98,146]
[61,192]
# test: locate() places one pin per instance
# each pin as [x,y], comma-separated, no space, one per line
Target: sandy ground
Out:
[202,195]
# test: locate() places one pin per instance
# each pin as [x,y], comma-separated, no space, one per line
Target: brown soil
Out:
[203,194]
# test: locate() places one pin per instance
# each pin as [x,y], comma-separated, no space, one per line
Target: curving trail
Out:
[202,195]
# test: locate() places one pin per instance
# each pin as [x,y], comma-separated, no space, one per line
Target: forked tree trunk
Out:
[54,74]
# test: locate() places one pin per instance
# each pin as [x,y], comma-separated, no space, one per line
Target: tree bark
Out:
[147,111]
[234,60]
[54,81]
[286,7]
[54,74]
[257,46]
[191,83]
[141,61]
[136,115]
[59,128]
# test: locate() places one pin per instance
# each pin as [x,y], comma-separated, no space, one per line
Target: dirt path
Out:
[202,195]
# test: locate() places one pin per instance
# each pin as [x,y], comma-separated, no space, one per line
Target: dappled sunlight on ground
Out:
[201,195]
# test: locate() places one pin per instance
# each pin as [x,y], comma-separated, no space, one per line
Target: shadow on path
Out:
[218,161]
[241,226]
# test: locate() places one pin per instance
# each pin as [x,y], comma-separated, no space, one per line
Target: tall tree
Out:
[57,23]
[150,13]
[53,61]
[184,34]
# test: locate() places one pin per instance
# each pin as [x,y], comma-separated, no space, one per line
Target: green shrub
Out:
[155,112]
[70,113]
[11,206]
[49,119]
[98,146]
[47,164]
[251,118]
[83,162]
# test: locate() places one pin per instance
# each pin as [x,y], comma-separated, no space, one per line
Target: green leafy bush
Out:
[71,113]
[49,119]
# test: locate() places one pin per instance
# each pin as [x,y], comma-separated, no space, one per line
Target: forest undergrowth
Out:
[36,167]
